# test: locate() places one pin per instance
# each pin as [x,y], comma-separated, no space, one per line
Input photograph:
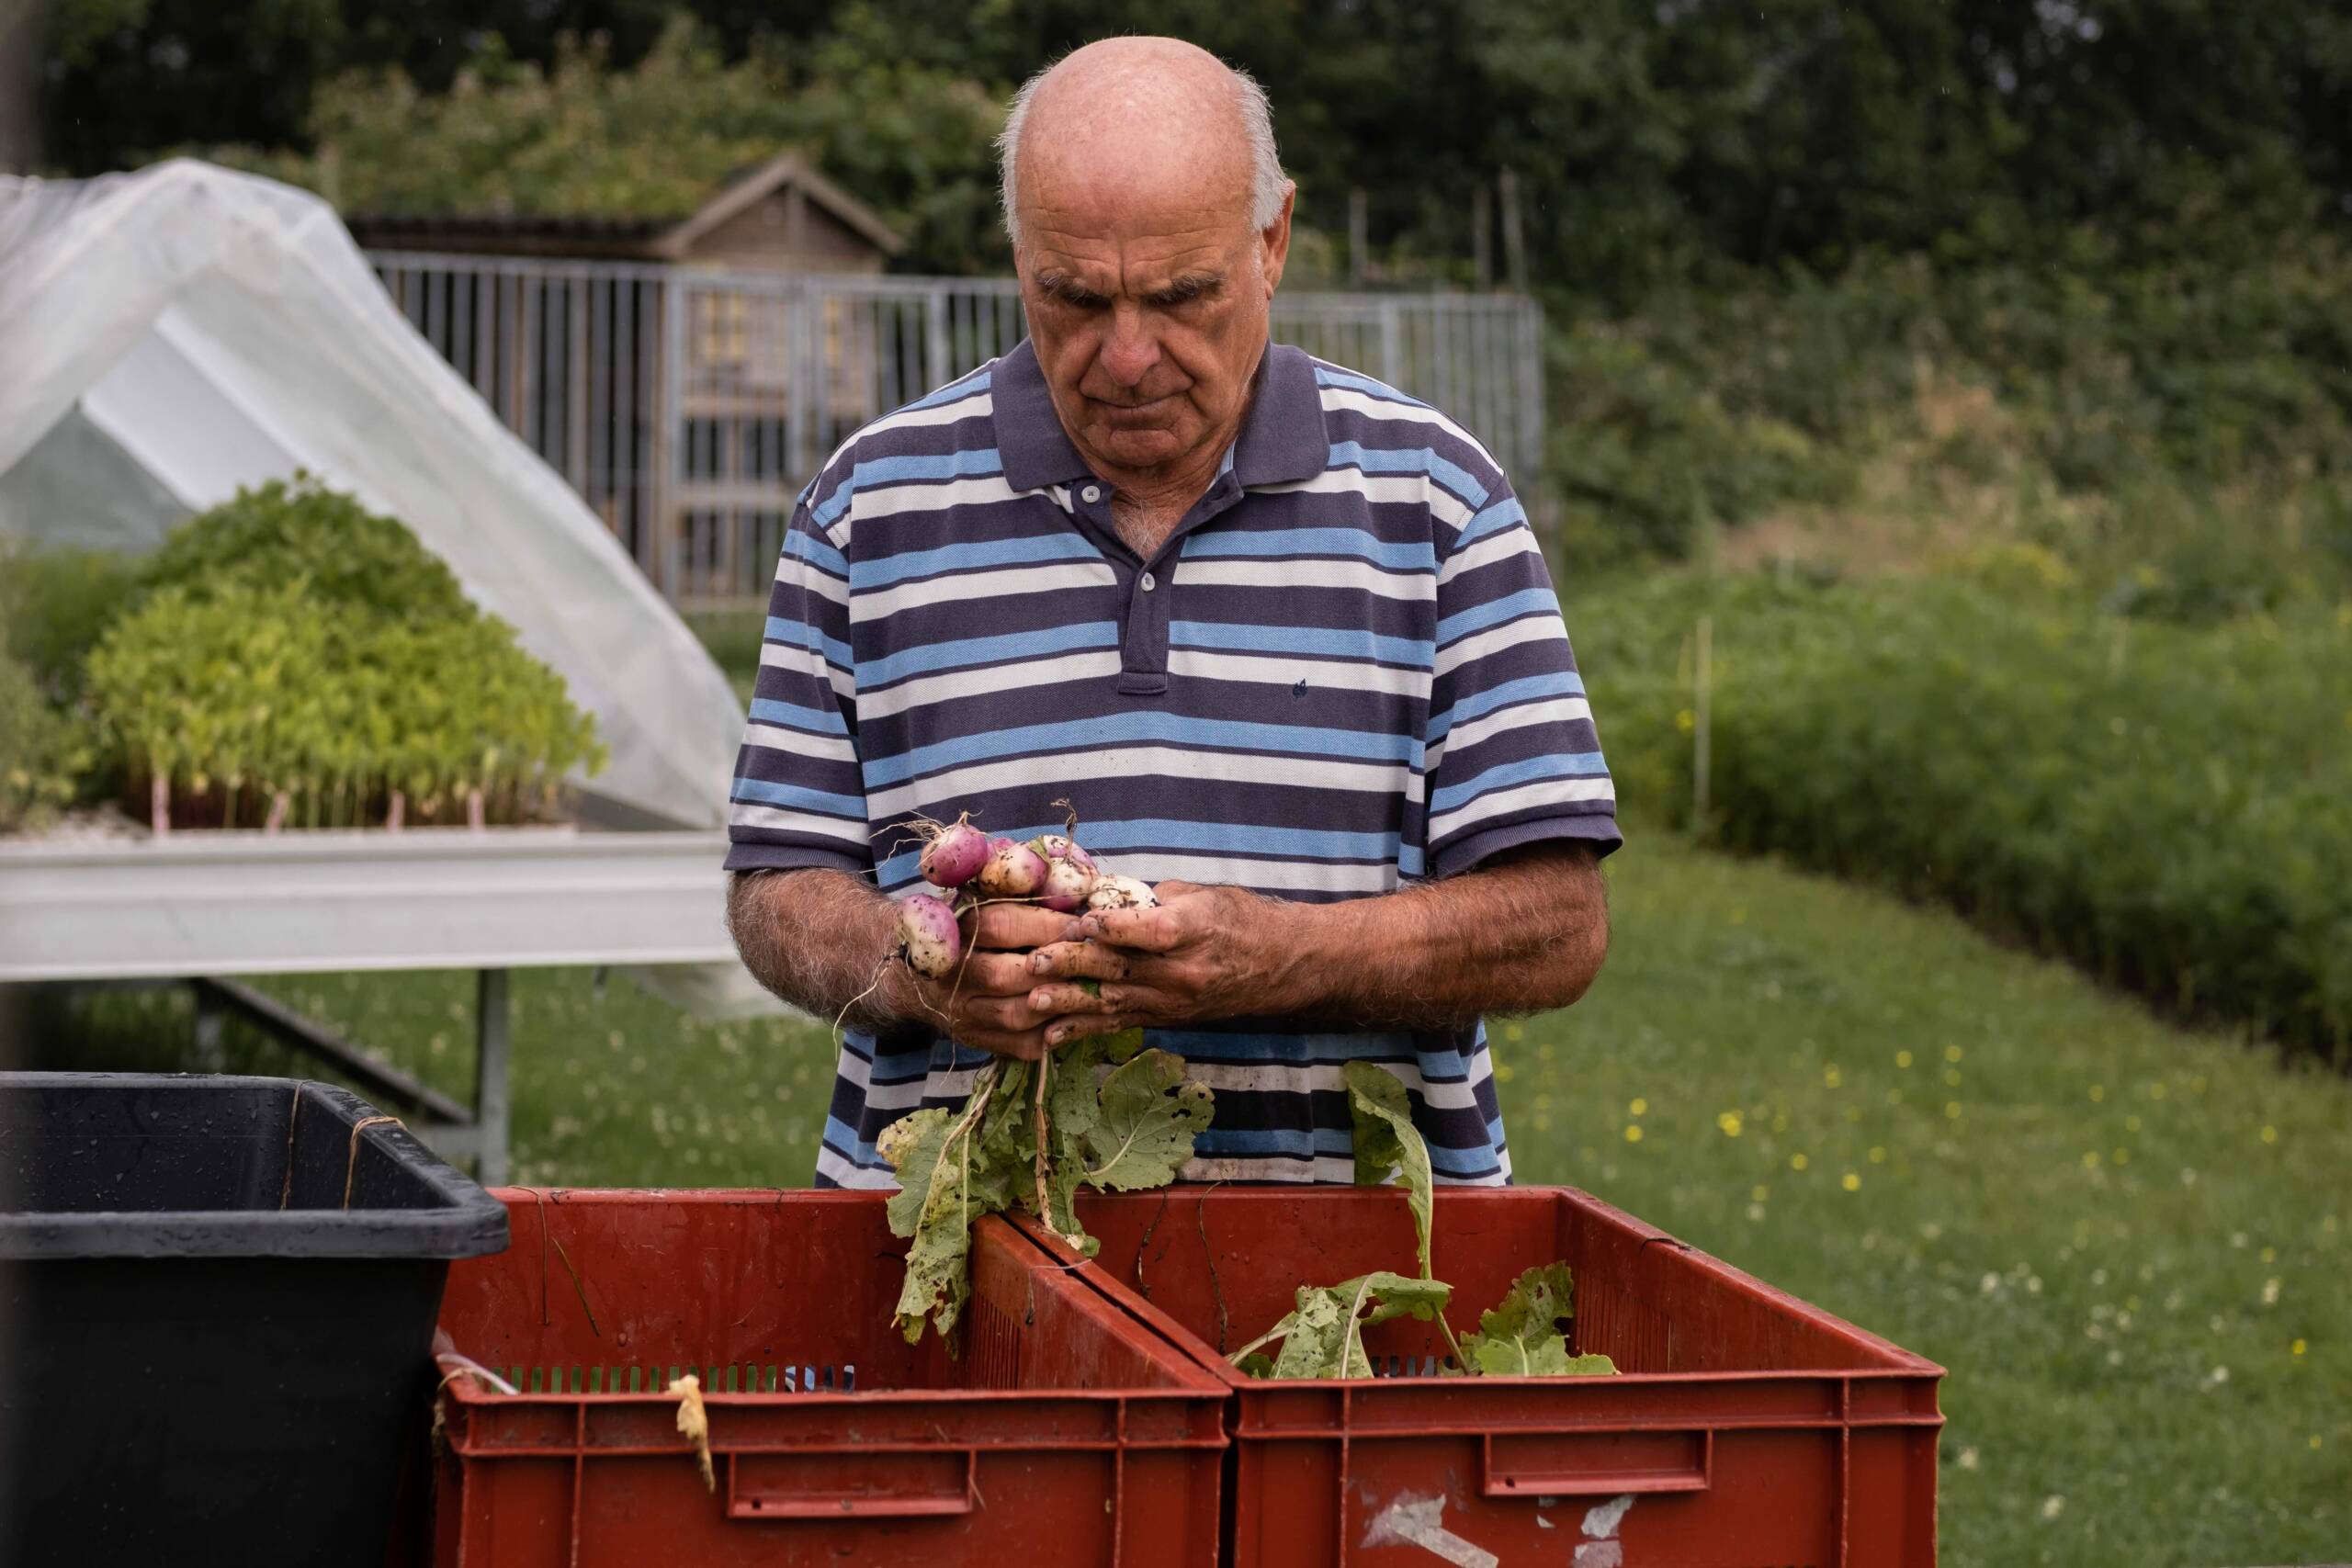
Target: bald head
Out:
[1131,121]
[1149,225]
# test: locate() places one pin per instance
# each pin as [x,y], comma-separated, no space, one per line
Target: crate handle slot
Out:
[865,1485]
[1598,1464]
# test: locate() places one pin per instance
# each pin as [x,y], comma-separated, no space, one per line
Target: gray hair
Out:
[1266,180]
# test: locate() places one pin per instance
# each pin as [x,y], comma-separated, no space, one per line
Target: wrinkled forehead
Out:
[1127,169]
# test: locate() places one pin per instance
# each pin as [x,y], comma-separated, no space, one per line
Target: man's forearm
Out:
[1520,936]
[818,939]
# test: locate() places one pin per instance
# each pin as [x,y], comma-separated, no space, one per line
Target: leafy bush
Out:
[43,750]
[2171,807]
[351,556]
[2180,399]
[299,646]
[54,602]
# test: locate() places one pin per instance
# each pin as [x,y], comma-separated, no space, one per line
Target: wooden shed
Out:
[773,350]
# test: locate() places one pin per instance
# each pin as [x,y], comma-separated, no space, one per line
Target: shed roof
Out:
[659,237]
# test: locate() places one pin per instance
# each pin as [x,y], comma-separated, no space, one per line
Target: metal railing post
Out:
[670,430]
[936,368]
[490,1086]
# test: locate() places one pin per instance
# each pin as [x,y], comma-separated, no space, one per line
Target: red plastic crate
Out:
[1746,1430]
[1065,1434]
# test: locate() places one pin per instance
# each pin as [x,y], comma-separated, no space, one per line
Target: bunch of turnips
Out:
[1099,1111]
[969,868]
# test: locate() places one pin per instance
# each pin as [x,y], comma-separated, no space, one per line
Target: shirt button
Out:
[1091,494]
[1150,582]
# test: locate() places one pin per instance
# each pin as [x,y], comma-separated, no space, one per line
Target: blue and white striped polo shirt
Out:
[1345,671]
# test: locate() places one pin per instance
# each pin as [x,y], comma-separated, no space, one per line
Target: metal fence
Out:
[688,407]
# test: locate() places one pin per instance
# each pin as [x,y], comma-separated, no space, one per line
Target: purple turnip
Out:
[954,856]
[929,938]
[1012,870]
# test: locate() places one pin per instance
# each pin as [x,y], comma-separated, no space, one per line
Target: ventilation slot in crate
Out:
[732,1378]
[1411,1365]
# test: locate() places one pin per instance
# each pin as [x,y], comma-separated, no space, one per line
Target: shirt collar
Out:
[1282,440]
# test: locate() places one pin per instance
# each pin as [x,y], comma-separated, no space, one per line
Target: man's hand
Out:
[1203,954]
[986,1003]
[1525,931]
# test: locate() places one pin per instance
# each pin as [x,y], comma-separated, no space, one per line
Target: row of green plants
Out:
[287,659]
[2180,386]
[2169,807]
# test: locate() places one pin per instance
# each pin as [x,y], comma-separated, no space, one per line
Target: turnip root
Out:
[1068,884]
[1112,891]
[929,938]
[1060,846]
[1012,870]
[1071,873]
[954,854]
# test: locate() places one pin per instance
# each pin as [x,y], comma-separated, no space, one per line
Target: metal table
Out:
[206,907]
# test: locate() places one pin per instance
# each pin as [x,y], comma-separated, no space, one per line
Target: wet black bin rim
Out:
[455,1216]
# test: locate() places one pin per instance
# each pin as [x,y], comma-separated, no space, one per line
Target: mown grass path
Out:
[2131,1247]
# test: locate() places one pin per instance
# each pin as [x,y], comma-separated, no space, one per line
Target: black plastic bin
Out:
[217,1299]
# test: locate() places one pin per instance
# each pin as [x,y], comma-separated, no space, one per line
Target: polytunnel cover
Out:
[177,333]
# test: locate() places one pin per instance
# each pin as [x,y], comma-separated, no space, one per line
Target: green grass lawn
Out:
[2128,1245]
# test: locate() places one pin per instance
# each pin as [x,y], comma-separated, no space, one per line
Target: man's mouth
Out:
[1132,414]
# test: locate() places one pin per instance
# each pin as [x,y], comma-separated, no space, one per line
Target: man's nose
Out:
[1131,347]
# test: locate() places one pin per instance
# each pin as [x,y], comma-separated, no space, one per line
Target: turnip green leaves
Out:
[1323,1335]
[1386,1141]
[1135,1130]
[1522,1336]
[1525,1333]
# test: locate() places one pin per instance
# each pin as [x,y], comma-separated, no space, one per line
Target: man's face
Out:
[1146,302]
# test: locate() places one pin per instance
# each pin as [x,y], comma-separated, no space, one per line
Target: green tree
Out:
[583,137]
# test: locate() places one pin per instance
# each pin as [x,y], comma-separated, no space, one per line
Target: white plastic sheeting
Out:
[169,335]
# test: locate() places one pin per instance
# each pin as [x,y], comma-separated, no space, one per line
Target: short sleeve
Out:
[1511,755]
[799,798]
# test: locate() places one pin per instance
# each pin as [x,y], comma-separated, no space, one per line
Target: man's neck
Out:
[1148,503]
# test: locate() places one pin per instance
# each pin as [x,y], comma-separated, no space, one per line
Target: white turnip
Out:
[1112,891]
[1012,870]
[1070,872]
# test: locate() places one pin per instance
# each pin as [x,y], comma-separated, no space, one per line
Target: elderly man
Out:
[1281,634]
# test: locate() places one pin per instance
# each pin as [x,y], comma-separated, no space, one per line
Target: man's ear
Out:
[1274,240]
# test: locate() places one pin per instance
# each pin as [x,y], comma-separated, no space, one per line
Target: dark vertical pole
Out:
[1358,226]
[491,1114]
[211,1055]
[1482,235]
[1514,237]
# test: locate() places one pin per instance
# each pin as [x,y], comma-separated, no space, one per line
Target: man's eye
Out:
[1181,294]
